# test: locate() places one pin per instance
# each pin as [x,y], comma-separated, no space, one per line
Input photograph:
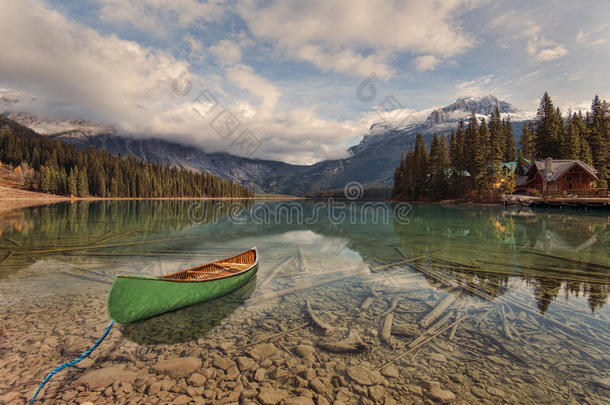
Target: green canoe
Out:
[133,298]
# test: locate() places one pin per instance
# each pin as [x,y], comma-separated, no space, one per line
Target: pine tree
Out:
[73,181]
[497,139]
[509,144]
[472,146]
[46,179]
[547,136]
[437,169]
[421,169]
[526,148]
[485,168]
[599,139]
[83,183]
[572,144]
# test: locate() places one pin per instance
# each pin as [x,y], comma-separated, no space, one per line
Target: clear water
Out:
[527,321]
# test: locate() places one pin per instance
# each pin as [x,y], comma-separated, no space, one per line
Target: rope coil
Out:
[71,363]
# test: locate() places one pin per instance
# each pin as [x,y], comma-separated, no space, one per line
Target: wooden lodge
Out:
[559,176]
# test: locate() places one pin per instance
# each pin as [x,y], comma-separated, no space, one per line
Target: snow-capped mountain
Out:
[440,120]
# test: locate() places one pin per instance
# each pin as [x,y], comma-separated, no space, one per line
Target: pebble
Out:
[179,367]
[182,399]
[390,371]
[262,351]
[304,350]
[244,363]
[196,380]
[376,393]
[364,376]
[103,377]
[271,396]
[441,395]
[260,374]
[437,393]
[223,363]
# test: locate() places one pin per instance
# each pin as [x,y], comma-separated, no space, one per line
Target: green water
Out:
[529,300]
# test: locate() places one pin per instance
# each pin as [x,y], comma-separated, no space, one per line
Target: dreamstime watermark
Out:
[222,120]
[352,211]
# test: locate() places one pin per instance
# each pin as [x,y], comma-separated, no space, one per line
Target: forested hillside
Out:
[60,168]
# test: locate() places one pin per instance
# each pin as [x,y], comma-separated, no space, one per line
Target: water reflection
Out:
[477,299]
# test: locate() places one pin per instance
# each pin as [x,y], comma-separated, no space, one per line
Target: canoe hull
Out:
[133,298]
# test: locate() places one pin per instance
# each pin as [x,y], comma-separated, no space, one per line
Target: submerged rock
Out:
[304,350]
[103,377]
[262,351]
[364,376]
[271,396]
[179,367]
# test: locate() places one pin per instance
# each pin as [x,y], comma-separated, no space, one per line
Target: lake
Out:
[353,303]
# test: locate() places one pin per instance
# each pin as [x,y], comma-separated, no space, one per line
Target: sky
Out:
[297,81]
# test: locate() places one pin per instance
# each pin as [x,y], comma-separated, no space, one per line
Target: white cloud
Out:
[227,52]
[475,88]
[359,37]
[58,68]
[539,48]
[543,50]
[426,62]
[593,37]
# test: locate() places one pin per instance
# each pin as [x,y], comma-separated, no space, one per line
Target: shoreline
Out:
[14,199]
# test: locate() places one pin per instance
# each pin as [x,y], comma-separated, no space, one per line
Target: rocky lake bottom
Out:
[362,316]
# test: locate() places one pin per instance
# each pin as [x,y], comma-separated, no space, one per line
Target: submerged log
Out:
[385,266]
[386,329]
[303,263]
[275,271]
[408,330]
[413,346]
[320,323]
[393,306]
[366,303]
[438,310]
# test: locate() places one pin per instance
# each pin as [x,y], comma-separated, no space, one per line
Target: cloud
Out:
[475,88]
[426,62]
[227,52]
[58,68]
[538,47]
[359,37]
[71,67]
[543,50]
[154,16]
[592,37]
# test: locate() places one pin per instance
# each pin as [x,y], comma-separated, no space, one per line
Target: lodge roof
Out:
[559,166]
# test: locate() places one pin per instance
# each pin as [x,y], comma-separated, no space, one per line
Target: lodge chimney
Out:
[548,165]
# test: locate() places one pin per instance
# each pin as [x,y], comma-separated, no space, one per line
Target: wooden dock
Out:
[555,201]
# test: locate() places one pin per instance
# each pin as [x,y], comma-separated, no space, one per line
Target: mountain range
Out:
[371,162]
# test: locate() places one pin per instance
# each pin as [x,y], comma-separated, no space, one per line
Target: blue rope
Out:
[73,362]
